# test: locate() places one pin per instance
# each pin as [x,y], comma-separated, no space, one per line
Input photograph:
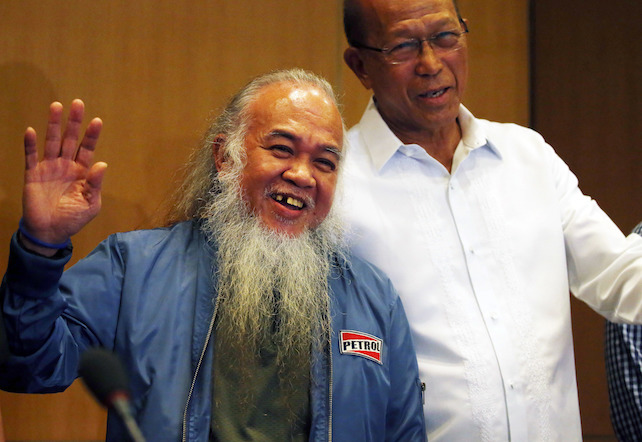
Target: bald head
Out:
[355,23]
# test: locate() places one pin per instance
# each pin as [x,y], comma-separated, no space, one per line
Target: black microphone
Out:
[106,378]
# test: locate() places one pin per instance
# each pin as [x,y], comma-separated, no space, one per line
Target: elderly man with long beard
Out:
[244,318]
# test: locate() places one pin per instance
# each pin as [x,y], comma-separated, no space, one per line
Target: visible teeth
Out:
[436,93]
[291,201]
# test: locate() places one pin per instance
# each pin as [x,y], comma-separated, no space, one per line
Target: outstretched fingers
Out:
[65,146]
[88,145]
[72,129]
[52,138]
[31,148]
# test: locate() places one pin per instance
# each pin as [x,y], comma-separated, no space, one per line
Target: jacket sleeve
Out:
[405,415]
[45,319]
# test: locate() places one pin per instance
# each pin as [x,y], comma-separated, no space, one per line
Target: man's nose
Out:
[300,174]
[428,62]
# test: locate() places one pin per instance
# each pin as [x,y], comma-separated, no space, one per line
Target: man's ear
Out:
[218,151]
[353,59]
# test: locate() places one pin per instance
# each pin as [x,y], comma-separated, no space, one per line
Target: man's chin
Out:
[285,227]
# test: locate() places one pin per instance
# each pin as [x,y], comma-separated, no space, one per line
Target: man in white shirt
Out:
[481,227]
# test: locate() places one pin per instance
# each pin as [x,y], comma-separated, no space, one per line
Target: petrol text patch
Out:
[360,344]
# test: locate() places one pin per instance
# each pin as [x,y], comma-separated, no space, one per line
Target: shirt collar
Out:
[383,143]
[473,132]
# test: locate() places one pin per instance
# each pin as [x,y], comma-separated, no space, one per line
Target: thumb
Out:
[94,181]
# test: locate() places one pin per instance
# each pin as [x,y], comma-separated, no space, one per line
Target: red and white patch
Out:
[360,344]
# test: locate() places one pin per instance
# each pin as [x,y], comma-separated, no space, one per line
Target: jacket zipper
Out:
[330,380]
[198,367]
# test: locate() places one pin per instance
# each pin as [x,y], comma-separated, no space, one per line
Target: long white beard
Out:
[270,285]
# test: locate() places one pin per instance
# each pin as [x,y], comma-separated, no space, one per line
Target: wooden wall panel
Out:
[499,59]
[587,102]
[154,70]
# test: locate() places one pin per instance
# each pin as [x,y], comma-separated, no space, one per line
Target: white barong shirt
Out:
[484,258]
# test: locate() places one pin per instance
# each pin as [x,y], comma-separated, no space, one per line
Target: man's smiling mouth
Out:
[434,94]
[288,201]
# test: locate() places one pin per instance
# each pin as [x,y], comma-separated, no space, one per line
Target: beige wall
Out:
[153,70]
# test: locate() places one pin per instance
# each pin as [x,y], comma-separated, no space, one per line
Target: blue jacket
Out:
[149,296]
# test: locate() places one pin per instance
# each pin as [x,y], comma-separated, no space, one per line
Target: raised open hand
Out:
[62,191]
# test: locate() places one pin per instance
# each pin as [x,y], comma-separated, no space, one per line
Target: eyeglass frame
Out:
[386,51]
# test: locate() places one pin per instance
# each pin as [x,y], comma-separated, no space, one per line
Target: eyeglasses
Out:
[441,43]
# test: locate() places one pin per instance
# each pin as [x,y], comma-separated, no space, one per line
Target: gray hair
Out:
[200,179]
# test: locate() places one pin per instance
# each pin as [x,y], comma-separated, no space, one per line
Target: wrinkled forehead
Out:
[383,15]
[304,109]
